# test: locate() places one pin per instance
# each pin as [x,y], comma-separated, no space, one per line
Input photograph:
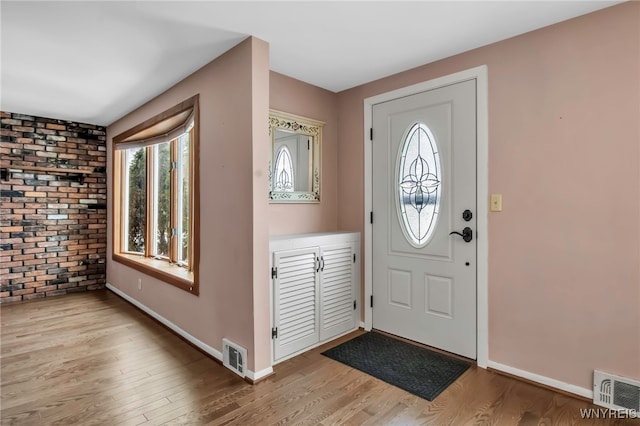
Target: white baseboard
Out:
[557,384]
[315,345]
[197,342]
[362,325]
[260,374]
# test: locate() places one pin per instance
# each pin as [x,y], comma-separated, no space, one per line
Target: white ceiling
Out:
[95,61]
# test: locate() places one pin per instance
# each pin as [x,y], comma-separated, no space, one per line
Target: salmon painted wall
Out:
[564,150]
[299,98]
[260,151]
[233,241]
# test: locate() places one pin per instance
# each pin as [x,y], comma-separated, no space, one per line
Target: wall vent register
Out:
[615,392]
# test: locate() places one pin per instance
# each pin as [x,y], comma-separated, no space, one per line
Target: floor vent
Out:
[234,357]
[616,393]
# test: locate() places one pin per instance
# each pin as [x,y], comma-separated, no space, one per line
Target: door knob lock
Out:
[467,234]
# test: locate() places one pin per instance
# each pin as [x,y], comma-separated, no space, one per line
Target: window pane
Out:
[419,189]
[135,199]
[183,199]
[283,171]
[162,199]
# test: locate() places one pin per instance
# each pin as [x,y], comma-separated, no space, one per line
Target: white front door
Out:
[424,188]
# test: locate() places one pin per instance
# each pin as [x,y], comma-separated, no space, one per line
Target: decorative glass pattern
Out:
[283,171]
[419,188]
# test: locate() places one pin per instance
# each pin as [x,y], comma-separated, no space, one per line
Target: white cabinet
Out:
[316,282]
[296,307]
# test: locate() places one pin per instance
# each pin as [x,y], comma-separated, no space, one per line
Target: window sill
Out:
[160,269]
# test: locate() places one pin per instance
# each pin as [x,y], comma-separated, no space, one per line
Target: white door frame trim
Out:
[482,193]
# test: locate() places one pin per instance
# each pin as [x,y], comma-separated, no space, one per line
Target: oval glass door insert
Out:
[419,189]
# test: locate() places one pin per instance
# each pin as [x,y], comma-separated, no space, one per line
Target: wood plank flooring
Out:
[94,359]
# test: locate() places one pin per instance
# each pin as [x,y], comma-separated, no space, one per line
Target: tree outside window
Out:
[155,183]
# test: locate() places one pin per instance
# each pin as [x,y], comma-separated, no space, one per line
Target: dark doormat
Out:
[420,371]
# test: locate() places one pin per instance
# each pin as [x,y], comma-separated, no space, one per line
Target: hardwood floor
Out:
[94,359]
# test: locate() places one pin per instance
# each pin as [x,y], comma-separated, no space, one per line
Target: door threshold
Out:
[423,346]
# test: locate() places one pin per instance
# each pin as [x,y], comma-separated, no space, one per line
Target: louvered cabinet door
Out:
[296,305]
[337,311]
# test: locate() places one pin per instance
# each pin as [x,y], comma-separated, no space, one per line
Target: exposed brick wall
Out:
[53,228]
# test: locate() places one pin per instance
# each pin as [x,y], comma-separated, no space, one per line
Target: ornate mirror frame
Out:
[301,126]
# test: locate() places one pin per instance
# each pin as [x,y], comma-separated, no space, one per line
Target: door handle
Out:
[467,234]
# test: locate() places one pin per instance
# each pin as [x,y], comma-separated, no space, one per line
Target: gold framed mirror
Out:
[294,162]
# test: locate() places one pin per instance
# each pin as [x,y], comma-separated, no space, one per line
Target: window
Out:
[156,196]
[419,189]
[135,196]
[183,200]
[283,171]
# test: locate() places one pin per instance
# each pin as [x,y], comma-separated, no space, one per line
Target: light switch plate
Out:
[496,202]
